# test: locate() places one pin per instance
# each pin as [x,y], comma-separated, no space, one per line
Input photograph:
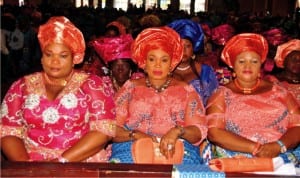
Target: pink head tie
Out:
[61,30]
[284,49]
[275,36]
[112,48]
[221,34]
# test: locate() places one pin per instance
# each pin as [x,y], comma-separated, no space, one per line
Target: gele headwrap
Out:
[188,29]
[244,42]
[222,33]
[164,38]
[206,29]
[112,48]
[121,27]
[284,49]
[60,30]
[275,36]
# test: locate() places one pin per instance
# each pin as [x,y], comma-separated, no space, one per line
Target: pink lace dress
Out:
[48,127]
[261,118]
[141,108]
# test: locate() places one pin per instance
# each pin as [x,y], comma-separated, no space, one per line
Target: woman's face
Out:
[120,70]
[247,66]
[292,63]
[57,60]
[187,50]
[158,64]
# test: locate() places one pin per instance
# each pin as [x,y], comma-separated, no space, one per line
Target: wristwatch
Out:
[282,146]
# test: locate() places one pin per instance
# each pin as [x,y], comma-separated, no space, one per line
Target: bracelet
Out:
[62,159]
[182,131]
[282,146]
[131,135]
[256,149]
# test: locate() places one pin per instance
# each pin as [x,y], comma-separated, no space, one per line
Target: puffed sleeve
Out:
[99,94]
[12,122]
[195,113]
[216,109]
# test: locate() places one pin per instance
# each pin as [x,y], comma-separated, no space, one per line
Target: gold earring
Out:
[130,73]
[193,56]
[233,74]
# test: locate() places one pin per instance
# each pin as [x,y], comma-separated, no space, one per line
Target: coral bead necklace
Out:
[246,90]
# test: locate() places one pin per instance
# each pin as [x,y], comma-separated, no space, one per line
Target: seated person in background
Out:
[58,114]
[201,76]
[288,59]
[158,106]
[250,116]
[94,64]
[115,51]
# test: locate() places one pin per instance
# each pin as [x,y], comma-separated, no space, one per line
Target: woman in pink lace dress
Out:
[58,114]
[158,106]
[250,116]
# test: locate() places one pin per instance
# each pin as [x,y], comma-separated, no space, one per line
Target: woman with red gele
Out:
[255,117]
[158,107]
[58,114]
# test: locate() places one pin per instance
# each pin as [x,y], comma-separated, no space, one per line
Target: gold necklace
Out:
[158,89]
[58,82]
[116,85]
[246,90]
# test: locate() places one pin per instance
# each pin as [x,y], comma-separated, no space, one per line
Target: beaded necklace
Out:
[158,89]
[183,68]
[246,90]
[60,82]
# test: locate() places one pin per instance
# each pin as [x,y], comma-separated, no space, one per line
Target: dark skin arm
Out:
[228,140]
[87,146]
[191,133]
[91,143]
[290,139]
[235,142]
[14,149]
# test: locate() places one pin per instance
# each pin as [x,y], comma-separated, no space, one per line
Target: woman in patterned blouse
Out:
[250,116]
[58,114]
[158,106]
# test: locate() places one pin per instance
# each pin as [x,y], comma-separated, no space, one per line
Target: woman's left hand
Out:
[167,143]
[269,150]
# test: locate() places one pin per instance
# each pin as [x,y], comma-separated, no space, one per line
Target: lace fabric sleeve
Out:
[294,110]
[122,103]
[195,113]
[11,110]
[101,105]
[290,102]
[215,111]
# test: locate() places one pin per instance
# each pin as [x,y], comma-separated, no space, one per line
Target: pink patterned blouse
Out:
[141,108]
[261,118]
[50,127]
[293,88]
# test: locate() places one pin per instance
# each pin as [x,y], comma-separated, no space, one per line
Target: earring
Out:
[193,57]
[130,73]
[233,74]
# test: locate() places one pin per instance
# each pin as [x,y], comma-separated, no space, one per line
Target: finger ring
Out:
[170,146]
